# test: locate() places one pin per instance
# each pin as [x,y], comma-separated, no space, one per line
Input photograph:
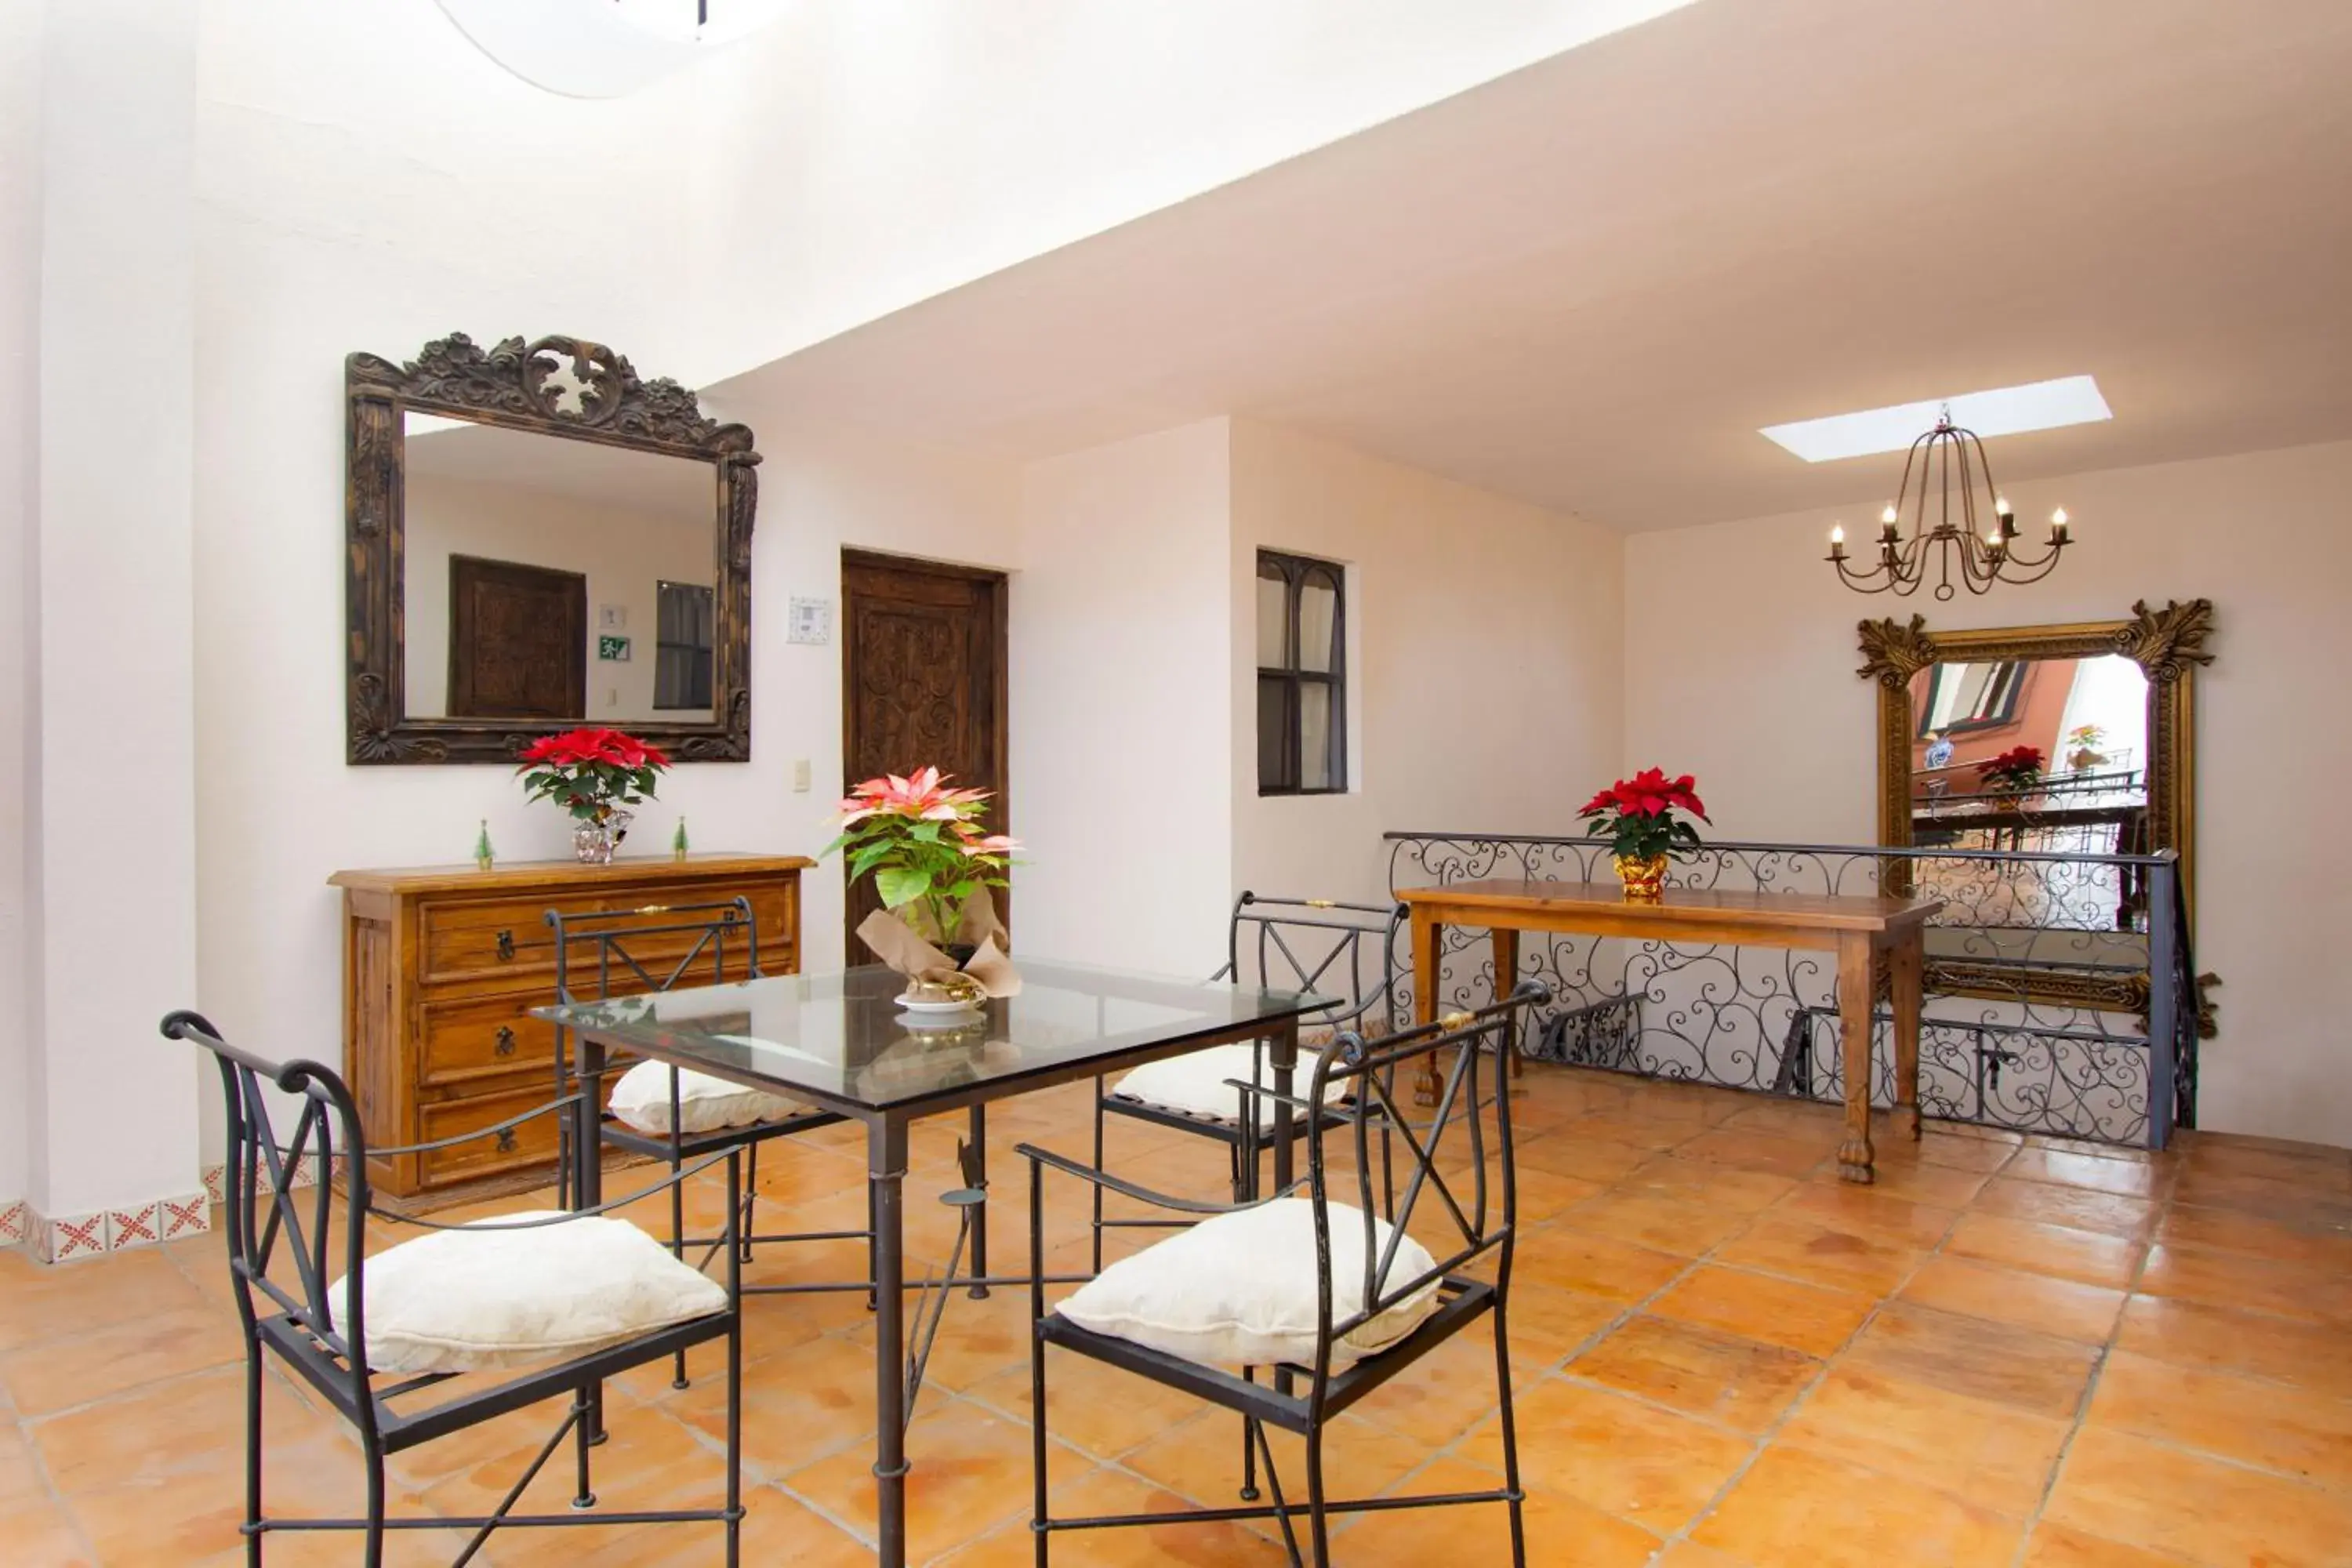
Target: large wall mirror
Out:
[538,539]
[2071,742]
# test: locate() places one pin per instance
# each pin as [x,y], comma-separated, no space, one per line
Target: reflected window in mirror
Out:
[686,613]
[554,580]
[1969,696]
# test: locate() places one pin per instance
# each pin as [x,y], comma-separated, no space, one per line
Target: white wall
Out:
[20,332]
[1486,638]
[1121,691]
[116,857]
[1739,666]
[623,552]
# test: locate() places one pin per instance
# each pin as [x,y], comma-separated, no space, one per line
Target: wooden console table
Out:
[1856,928]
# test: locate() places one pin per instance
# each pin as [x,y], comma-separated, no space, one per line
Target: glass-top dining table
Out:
[841,1042]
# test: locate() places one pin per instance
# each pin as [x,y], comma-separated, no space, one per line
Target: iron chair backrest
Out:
[1457,1134]
[597,950]
[1310,944]
[263,1207]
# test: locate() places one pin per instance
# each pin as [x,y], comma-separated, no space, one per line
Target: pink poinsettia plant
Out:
[924,846]
[1637,814]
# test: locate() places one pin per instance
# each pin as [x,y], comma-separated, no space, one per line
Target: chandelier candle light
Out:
[1637,815]
[1978,537]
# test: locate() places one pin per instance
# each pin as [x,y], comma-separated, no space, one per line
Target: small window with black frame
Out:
[1302,675]
[683,615]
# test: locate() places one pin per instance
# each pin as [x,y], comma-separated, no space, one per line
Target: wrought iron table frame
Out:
[1859,930]
[886,1171]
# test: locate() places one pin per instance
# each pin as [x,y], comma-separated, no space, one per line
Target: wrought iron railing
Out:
[2060,1001]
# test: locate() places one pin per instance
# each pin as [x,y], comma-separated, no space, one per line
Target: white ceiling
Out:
[1590,283]
[586,472]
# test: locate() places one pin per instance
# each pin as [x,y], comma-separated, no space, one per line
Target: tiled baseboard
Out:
[60,1239]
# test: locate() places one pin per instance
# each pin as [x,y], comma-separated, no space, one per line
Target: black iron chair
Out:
[1382,1303]
[609,956]
[312,1325]
[1346,951]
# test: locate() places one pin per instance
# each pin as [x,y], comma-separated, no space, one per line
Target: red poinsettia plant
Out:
[2019,767]
[589,772]
[1637,814]
[924,846]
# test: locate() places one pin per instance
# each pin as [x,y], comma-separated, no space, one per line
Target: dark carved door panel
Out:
[518,641]
[923,675]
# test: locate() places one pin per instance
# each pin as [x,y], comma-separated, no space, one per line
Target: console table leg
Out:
[1507,975]
[1907,968]
[1854,1154]
[1427,932]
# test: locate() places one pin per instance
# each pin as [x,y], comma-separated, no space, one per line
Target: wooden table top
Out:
[1762,910]
[465,877]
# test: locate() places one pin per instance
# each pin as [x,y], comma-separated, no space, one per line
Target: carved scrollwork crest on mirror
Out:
[537,537]
[2106,708]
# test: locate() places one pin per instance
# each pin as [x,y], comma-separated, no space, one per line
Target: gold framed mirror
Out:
[538,538]
[2106,709]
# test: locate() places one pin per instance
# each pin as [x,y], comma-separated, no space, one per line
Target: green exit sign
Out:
[613,649]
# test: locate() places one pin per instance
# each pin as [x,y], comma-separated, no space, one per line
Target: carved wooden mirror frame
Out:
[2167,644]
[514,384]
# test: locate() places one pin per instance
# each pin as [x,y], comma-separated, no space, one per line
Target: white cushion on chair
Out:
[705,1103]
[1239,1289]
[1197,1084]
[474,1299]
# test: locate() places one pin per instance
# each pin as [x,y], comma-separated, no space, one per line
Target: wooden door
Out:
[923,683]
[518,641]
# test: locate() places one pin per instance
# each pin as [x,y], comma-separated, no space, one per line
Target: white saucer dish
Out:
[934,1009]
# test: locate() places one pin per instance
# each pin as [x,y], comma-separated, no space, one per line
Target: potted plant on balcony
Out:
[2083,744]
[2018,769]
[1637,815]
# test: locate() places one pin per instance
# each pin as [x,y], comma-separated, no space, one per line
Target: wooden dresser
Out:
[442,965]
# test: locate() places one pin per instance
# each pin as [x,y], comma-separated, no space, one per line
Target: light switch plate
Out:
[809,621]
[800,777]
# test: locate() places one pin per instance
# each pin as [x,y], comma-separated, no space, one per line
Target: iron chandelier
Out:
[1952,461]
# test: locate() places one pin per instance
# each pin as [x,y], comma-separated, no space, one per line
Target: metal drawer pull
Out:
[505,1046]
[506,947]
[506,1140]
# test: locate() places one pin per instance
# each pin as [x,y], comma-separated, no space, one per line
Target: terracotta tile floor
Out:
[2008,1352]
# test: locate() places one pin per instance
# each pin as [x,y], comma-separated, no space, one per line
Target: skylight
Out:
[2003,411]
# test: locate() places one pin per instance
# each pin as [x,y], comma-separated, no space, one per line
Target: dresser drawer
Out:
[475,941]
[468,941]
[475,1037]
[516,1148]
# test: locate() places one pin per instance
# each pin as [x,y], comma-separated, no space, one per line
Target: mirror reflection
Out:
[553,580]
[2034,754]
[1997,739]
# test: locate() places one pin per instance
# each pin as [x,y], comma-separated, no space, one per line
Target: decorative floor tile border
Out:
[61,1238]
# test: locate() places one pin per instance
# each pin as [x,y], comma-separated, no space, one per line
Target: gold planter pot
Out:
[1645,876]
